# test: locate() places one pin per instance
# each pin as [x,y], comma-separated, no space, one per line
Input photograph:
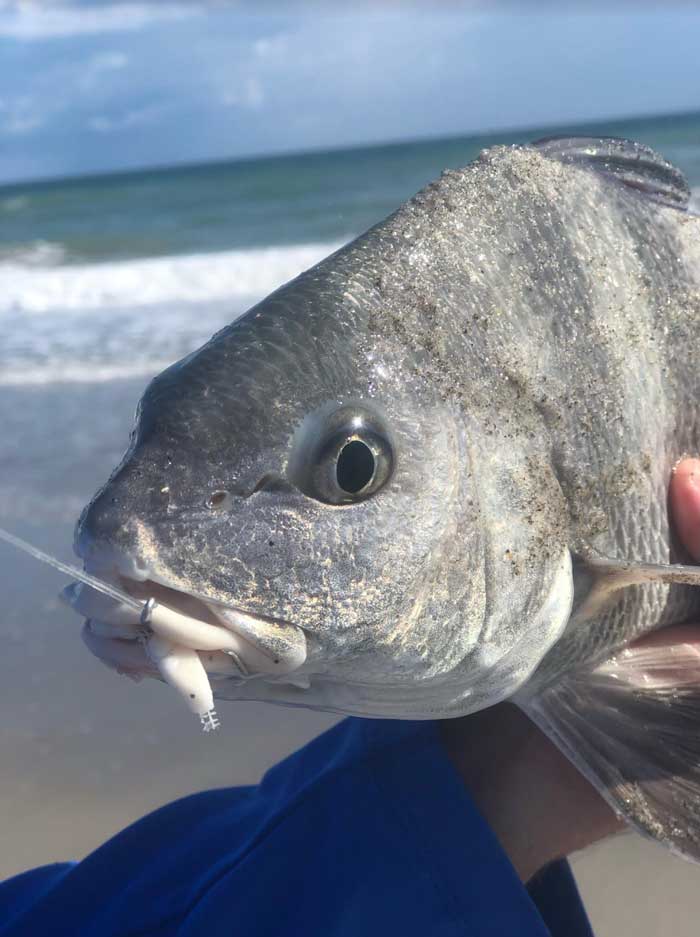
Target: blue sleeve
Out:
[366,831]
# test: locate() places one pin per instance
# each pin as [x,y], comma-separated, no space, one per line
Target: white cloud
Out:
[19,116]
[103,123]
[46,19]
[89,75]
[270,46]
[51,94]
[17,125]
[109,61]
[250,95]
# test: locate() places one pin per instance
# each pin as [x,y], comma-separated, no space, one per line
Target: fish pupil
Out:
[355,467]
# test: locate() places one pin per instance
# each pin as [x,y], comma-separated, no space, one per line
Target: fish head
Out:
[304,469]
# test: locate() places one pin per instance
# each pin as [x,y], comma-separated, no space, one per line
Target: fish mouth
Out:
[231,644]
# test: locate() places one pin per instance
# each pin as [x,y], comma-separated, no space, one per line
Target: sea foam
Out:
[128,319]
[30,286]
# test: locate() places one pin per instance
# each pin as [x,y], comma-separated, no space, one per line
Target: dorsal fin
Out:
[634,164]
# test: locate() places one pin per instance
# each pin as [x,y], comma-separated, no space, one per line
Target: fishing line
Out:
[181,667]
[72,571]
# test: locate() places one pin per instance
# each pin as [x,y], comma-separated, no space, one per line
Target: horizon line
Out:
[318,151]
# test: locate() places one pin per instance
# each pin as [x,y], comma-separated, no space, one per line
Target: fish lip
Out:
[122,569]
[137,589]
[107,561]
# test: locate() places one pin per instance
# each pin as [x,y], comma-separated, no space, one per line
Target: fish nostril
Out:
[218,500]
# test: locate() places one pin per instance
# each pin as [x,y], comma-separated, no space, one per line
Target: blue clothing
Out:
[365,832]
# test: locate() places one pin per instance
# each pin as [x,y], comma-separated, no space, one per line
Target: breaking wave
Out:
[128,319]
[33,282]
[36,254]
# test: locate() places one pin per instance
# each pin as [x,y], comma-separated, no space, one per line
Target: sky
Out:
[102,86]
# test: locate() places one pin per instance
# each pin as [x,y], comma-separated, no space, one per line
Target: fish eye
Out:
[342,457]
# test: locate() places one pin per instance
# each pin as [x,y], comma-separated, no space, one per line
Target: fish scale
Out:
[665,429]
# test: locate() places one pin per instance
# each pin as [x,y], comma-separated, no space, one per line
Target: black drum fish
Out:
[430,474]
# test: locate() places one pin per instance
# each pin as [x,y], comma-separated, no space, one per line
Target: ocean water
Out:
[116,276]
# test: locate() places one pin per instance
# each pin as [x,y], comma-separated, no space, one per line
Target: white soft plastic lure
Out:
[171,639]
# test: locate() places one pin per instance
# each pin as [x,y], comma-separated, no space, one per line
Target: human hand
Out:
[536,802]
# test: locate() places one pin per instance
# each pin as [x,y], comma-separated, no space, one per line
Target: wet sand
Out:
[84,751]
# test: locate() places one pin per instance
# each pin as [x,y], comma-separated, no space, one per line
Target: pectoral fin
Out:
[632,727]
[596,581]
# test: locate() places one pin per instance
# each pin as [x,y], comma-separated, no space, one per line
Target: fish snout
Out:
[130,500]
[102,522]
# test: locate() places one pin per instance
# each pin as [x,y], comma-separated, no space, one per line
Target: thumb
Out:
[684,504]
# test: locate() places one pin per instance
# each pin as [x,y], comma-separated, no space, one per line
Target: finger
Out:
[684,502]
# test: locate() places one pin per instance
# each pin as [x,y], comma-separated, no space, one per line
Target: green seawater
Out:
[307,198]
